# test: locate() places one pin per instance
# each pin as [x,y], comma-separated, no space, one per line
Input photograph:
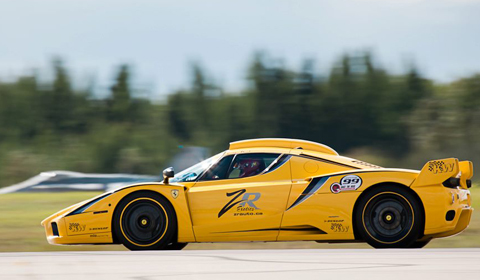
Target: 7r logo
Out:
[248,198]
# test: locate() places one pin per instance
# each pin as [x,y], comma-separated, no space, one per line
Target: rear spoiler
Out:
[449,172]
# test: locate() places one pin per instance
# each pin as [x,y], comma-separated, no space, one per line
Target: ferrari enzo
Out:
[276,190]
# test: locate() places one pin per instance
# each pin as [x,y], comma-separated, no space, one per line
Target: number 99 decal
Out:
[347,183]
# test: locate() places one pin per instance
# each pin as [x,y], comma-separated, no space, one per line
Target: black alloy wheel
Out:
[389,217]
[145,221]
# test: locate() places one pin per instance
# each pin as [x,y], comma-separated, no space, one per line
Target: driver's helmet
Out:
[250,167]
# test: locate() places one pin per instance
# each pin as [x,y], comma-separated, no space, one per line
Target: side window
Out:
[277,163]
[246,165]
[219,170]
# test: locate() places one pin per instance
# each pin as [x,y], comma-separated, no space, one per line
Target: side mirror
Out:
[167,174]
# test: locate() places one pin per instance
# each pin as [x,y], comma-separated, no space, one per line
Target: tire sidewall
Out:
[418,217]
[170,230]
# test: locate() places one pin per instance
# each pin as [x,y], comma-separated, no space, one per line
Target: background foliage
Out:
[359,108]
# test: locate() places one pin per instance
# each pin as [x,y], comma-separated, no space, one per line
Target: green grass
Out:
[21,214]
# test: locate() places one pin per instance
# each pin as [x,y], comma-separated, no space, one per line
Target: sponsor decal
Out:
[98,235]
[347,183]
[98,228]
[439,166]
[366,164]
[76,227]
[333,221]
[244,206]
[338,227]
[174,194]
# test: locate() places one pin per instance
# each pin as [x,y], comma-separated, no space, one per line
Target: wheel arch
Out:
[179,202]
[380,185]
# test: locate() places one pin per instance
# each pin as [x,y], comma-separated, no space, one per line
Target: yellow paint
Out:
[323,215]
[282,143]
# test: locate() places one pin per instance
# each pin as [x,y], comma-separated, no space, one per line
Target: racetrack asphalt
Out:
[245,264]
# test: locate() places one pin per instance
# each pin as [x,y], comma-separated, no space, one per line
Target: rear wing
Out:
[450,172]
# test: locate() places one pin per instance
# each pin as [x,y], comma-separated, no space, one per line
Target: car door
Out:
[241,198]
[312,211]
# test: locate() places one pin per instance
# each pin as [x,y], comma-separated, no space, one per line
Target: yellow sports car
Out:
[276,190]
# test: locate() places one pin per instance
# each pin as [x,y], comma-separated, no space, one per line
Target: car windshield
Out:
[191,174]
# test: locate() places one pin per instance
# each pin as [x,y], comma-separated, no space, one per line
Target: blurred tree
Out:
[271,93]
[200,104]
[58,102]
[235,122]
[177,121]
[28,121]
[303,114]
[340,105]
[7,111]
[120,101]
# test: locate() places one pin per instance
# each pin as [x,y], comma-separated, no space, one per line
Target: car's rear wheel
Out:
[145,221]
[389,217]
[420,244]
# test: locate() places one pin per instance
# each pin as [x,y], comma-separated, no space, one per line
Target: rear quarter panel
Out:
[437,199]
[332,212]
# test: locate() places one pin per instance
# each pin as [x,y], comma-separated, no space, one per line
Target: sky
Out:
[162,38]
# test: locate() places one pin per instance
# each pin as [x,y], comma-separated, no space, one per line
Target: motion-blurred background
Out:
[109,87]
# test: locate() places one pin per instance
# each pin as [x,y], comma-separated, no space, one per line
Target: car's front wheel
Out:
[176,246]
[145,221]
[389,217]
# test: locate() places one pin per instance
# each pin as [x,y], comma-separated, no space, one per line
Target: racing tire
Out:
[145,221]
[419,244]
[176,246]
[389,217]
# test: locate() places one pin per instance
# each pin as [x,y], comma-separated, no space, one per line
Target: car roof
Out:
[301,147]
[283,143]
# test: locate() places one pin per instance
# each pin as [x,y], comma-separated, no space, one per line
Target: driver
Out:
[250,167]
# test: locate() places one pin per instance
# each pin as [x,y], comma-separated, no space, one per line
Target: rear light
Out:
[55,229]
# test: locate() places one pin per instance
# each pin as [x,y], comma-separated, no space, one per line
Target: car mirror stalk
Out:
[167,174]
